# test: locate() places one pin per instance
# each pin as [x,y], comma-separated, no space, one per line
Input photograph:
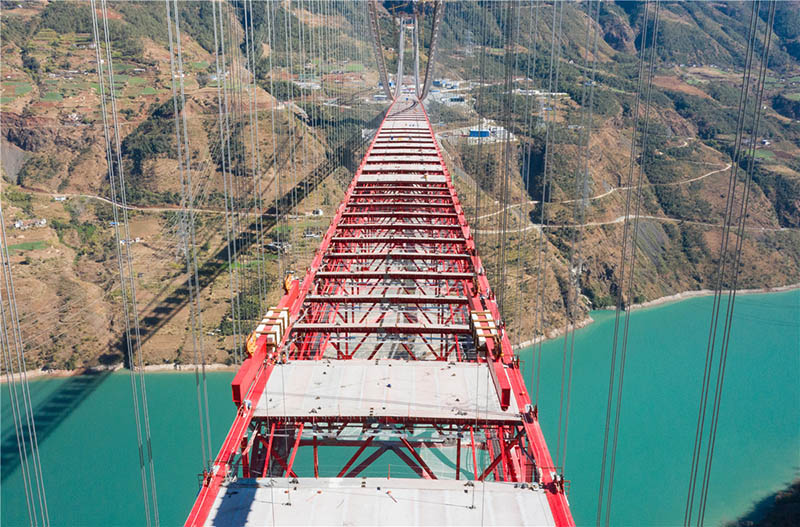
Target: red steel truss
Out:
[390,334]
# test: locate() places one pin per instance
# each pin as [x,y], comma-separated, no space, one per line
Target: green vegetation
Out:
[14,30]
[764,155]
[153,137]
[693,243]
[787,105]
[14,89]
[711,118]
[725,94]
[38,168]
[89,238]
[30,63]
[20,199]
[282,90]
[782,191]
[70,17]
[27,246]
[482,164]
[249,311]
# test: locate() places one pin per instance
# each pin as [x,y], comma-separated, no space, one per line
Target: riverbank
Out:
[549,335]
[707,292]
[668,299]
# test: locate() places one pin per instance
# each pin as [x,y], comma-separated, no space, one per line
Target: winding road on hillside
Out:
[609,192]
[108,201]
[620,219]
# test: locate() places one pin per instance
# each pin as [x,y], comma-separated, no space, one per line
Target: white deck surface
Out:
[384,388]
[376,502]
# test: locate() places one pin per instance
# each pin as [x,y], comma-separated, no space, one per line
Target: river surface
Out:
[88,436]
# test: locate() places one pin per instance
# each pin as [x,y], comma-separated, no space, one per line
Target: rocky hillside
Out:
[54,169]
[54,165]
[685,168]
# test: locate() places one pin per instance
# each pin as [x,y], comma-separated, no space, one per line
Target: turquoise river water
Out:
[88,446]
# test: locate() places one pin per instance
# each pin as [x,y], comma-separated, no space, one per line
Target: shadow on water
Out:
[58,406]
[770,504]
[49,414]
[174,297]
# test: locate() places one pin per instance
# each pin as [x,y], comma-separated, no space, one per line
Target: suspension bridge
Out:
[389,356]
[392,340]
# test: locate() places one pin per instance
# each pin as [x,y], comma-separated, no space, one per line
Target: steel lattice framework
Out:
[392,342]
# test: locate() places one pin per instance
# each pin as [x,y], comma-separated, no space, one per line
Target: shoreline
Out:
[685,295]
[668,299]
[551,334]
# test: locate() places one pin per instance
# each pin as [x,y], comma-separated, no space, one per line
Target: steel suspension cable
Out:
[634,241]
[737,253]
[227,180]
[582,188]
[276,175]
[623,258]
[129,261]
[258,174]
[553,78]
[507,113]
[533,31]
[187,229]
[24,429]
[125,264]
[480,99]
[238,178]
[720,271]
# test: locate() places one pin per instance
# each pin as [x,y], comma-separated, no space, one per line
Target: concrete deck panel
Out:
[425,390]
[378,502]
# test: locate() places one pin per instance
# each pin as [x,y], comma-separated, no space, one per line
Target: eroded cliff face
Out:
[41,134]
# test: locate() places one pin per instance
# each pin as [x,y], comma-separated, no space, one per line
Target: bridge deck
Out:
[392,342]
[430,391]
[377,502]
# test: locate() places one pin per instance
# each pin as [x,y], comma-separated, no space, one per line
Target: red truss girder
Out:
[397,268]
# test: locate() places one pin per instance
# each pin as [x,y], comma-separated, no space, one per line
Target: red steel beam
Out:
[343,273]
[398,227]
[386,299]
[404,329]
[397,255]
[396,239]
[398,275]
[355,456]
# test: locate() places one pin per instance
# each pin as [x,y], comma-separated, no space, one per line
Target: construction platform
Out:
[391,344]
[383,390]
[377,502]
